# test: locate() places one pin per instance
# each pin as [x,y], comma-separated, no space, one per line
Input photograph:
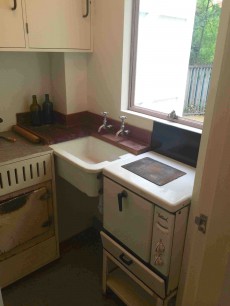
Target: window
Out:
[173,45]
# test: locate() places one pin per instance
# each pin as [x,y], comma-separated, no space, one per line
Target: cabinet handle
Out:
[15,6]
[121,195]
[87,9]
[128,262]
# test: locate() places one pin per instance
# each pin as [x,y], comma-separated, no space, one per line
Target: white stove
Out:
[146,222]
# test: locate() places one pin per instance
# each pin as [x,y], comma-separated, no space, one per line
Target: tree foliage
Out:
[205,32]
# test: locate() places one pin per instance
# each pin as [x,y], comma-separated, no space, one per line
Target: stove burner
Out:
[154,171]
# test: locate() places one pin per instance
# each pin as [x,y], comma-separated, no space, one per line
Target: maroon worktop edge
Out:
[67,127]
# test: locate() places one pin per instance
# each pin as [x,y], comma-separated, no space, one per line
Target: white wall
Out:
[58,81]
[105,63]
[76,82]
[69,82]
[22,74]
[107,82]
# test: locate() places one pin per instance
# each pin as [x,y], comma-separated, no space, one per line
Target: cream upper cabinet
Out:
[53,25]
[11,24]
[59,24]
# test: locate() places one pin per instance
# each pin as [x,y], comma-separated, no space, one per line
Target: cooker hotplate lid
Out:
[154,171]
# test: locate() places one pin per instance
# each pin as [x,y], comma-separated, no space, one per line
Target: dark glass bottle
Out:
[35,112]
[47,110]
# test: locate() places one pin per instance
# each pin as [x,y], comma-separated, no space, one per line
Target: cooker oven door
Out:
[129,218]
[23,220]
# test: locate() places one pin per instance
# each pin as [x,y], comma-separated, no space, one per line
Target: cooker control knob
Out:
[158,261]
[160,248]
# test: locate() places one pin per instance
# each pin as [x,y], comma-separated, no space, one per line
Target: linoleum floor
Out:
[72,280]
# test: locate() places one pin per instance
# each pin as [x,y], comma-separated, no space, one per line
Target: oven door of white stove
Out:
[130,221]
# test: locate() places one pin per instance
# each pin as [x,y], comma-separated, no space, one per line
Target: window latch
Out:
[172,116]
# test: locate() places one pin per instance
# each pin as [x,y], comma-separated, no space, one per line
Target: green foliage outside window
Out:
[205,32]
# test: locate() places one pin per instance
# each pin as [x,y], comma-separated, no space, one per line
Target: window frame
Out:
[132,77]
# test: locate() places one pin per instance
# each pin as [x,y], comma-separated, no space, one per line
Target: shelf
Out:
[128,291]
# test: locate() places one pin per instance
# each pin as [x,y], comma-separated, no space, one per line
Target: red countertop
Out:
[86,124]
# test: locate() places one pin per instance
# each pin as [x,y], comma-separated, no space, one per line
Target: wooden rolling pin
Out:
[30,136]
[11,139]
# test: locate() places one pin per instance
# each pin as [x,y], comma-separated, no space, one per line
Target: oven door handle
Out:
[128,262]
[12,205]
[120,196]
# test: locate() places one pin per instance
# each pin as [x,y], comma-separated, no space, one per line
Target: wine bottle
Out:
[47,110]
[35,112]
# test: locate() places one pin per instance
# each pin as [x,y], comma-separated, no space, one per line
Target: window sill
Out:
[172,123]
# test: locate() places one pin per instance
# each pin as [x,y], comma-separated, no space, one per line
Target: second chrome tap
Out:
[122,130]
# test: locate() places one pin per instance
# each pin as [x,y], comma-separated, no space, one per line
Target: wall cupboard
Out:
[11,25]
[54,25]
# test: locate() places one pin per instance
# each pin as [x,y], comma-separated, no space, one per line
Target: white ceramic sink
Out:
[79,161]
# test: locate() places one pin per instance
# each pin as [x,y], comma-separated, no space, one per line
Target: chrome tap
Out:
[104,126]
[122,130]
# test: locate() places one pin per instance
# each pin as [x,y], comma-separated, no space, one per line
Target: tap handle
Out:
[123,118]
[104,114]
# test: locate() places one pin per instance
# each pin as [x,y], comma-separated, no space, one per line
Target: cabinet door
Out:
[11,24]
[58,24]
